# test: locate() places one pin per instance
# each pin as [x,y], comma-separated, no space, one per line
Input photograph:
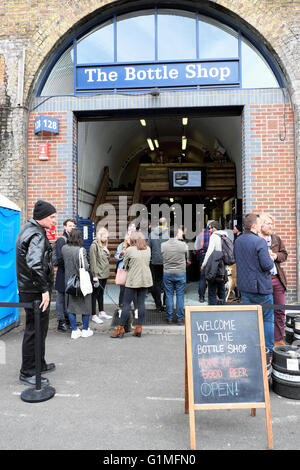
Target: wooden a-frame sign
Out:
[225,362]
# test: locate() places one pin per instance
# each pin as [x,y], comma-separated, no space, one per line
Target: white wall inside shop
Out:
[118,144]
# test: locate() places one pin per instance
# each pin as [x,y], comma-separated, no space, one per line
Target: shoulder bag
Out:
[73,286]
[84,276]
[121,276]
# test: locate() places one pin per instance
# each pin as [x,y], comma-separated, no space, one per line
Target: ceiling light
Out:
[143,122]
[184,142]
[171,199]
[156,143]
[184,121]
[150,143]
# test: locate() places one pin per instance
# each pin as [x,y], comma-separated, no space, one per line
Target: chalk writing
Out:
[226,356]
[219,389]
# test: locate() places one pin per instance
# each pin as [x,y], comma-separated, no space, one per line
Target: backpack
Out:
[227,249]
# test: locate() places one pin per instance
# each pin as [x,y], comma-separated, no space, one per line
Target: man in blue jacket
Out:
[253,267]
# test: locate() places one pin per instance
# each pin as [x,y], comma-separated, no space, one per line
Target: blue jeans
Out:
[130,294]
[85,321]
[174,283]
[60,306]
[268,315]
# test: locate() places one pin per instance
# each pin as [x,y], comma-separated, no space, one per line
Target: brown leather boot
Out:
[138,331]
[119,332]
[279,343]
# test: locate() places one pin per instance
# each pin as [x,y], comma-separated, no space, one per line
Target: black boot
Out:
[62,326]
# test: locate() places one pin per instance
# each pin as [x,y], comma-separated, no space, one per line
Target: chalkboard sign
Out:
[226,360]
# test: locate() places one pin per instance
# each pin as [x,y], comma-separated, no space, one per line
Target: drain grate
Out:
[152,317]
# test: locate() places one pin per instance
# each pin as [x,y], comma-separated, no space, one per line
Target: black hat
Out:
[43,209]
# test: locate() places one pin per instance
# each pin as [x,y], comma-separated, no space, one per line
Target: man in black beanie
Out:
[35,281]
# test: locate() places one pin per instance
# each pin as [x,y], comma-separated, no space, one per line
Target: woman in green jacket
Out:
[139,278]
[99,265]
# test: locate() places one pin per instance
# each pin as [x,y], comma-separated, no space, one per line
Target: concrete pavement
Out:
[125,394]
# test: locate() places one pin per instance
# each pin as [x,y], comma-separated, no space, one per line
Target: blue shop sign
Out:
[46,123]
[204,73]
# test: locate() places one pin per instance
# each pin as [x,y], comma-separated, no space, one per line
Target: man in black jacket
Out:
[35,281]
[158,235]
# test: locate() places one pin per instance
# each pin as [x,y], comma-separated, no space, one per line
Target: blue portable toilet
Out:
[10,221]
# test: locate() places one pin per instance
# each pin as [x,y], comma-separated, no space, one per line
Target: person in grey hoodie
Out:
[214,252]
[174,252]
[158,235]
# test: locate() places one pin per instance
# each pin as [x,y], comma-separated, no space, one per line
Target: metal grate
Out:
[152,317]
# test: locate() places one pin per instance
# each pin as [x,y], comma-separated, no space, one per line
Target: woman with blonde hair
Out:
[99,265]
[139,278]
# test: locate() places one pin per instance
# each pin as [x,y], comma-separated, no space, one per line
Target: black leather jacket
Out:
[34,259]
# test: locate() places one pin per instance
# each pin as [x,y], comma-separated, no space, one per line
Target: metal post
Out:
[39,393]
[37,344]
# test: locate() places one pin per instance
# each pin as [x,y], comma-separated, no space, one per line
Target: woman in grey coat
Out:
[76,305]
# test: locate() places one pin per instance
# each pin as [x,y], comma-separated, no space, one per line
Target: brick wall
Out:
[40,28]
[55,179]
[269,174]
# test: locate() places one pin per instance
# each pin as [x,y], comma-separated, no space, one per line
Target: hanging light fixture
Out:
[143,122]
[150,143]
[184,121]
[184,142]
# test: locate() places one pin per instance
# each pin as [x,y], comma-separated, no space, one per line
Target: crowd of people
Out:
[155,265]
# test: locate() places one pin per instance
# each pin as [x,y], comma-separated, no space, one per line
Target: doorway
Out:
[122,141]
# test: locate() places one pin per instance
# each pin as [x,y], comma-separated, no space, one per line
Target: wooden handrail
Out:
[101,193]
[137,187]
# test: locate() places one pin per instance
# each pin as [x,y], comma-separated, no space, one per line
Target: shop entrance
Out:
[176,138]
[135,154]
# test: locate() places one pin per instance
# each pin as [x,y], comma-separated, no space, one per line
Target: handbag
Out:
[73,286]
[121,277]
[84,276]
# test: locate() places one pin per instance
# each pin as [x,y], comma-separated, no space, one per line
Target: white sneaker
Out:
[104,315]
[87,333]
[76,334]
[96,319]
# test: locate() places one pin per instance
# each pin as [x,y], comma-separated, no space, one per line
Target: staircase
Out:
[121,200]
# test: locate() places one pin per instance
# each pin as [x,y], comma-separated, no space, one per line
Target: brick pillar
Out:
[269,183]
[55,179]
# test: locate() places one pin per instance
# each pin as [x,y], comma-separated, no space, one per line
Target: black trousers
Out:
[28,345]
[98,296]
[157,272]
